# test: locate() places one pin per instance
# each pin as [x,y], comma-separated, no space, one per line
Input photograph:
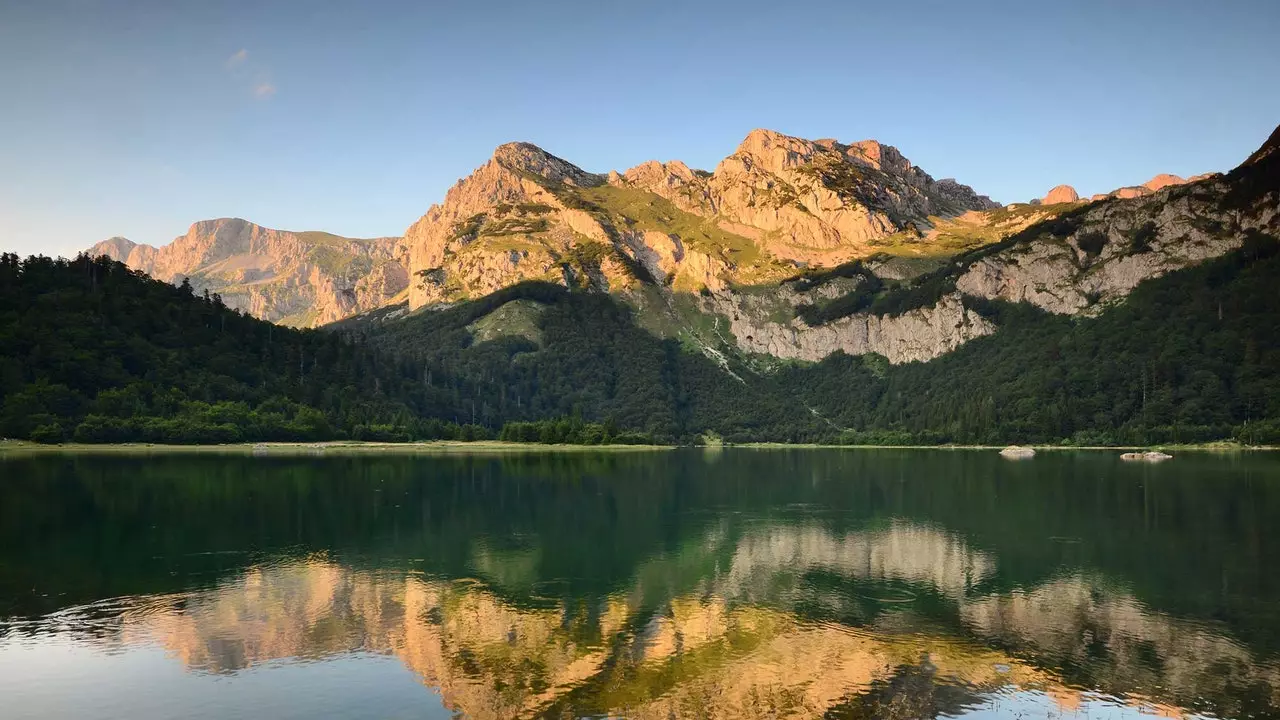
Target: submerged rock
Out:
[1150,456]
[1017,452]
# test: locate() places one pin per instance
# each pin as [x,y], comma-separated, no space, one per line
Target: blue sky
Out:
[139,118]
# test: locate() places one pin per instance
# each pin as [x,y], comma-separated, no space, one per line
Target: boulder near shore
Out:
[1149,456]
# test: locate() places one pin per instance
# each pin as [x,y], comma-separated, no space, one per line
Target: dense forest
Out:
[592,360]
[1190,357]
[91,351]
[94,352]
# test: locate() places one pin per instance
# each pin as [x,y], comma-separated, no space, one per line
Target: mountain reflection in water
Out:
[859,606]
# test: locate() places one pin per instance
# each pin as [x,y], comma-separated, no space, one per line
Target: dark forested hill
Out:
[1189,357]
[536,350]
[94,352]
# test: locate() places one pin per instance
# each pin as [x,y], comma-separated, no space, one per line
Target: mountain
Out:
[302,279]
[776,204]
[1122,320]
[1032,335]
[796,249]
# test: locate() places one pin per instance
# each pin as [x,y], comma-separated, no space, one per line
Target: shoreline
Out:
[447,447]
[334,447]
[1217,446]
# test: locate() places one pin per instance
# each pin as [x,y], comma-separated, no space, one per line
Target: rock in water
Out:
[1017,452]
[1149,456]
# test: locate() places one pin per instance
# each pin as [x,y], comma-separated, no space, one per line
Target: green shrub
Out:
[49,434]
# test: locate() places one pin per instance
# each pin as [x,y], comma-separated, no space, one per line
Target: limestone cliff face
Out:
[1115,246]
[775,204]
[920,334]
[296,278]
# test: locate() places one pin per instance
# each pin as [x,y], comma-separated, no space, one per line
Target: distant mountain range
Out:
[303,279]
[727,241]
[1068,194]
[803,291]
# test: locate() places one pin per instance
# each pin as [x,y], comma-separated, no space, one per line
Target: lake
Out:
[734,583]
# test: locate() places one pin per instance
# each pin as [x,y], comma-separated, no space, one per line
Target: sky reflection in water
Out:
[737,585]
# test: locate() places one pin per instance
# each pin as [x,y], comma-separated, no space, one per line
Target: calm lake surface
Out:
[719,584]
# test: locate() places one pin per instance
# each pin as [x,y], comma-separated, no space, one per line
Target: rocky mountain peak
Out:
[1060,194]
[1163,180]
[223,226]
[780,154]
[523,157]
[116,248]
[769,150]
[297,278]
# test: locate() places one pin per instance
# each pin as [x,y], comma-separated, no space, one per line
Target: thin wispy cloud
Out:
[240,67]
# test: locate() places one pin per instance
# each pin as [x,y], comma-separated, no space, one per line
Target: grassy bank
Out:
[434,447]
[1216,446]
[444,447]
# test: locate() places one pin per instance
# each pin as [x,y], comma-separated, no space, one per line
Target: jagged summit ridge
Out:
[297,278]
[775,204]
[529,158]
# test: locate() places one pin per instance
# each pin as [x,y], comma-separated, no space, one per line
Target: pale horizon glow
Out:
[137,119]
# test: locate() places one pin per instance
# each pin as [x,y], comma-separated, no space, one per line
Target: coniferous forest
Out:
[94,352]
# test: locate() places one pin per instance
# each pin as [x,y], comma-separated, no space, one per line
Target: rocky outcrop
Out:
[1162,181]
[1114,246]
[501,224]
[767,324]
[1132,191]
[1066,193]
[1076,263]
[296,278]
[776,203]
[1060,194]
[823,202]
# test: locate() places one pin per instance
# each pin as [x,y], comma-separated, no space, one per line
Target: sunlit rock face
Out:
[732,242]
[918,335]
[295,278]
[776,203]
[1116,245]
